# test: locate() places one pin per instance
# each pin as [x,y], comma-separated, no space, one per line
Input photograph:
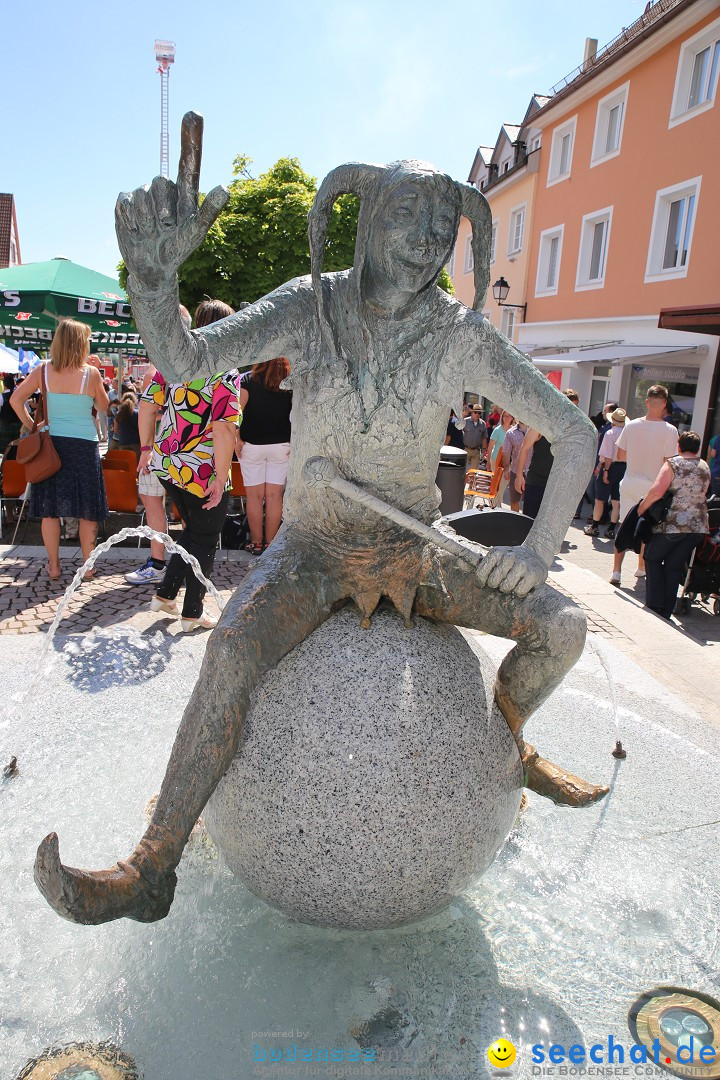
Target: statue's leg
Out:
[549,634]
[284,597]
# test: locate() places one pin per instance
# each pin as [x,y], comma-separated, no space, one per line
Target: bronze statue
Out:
[379,355]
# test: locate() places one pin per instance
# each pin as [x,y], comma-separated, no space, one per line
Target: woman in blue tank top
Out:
[77,490]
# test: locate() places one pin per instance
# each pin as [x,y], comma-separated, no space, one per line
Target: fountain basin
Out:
[376,778]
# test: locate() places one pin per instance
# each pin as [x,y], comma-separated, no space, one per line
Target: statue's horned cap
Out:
[362,179]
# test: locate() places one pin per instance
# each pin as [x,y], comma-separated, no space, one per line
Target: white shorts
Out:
[264,464]
[148,484]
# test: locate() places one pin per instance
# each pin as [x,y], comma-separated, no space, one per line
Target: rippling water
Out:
[581,912]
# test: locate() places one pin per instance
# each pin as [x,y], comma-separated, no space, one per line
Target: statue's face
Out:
[411,236]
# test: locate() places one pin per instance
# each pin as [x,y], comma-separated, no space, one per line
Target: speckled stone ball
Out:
[376,779]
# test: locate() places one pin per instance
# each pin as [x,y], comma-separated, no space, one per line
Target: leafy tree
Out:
[260,239]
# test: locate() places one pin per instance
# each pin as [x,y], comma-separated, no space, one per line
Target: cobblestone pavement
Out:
[596,555]
[29,599]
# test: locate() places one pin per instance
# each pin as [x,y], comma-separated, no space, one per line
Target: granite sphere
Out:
[375,780]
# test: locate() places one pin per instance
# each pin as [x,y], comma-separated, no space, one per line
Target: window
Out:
[549,261]
[535,144]
[609,125]
[507,322]
[493,241]
[469,261]
[561,152]
[592,258]
[672,230]
[517,229]
[697,75]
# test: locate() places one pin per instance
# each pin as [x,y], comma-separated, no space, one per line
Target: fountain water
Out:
[581,911]
[143,531]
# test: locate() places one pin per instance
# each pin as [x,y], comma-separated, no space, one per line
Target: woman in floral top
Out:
[687,478]
[191,456]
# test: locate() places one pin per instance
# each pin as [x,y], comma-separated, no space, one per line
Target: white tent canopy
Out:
[607,354]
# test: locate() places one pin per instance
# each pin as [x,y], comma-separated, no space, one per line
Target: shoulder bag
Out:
[36,451]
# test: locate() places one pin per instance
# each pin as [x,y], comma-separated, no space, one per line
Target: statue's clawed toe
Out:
[92,897]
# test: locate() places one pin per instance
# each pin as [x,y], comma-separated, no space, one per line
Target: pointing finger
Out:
[188,182]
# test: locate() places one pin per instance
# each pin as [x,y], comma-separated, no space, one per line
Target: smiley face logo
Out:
[501,1053]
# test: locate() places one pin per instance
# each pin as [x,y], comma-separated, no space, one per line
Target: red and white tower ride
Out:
[165,56]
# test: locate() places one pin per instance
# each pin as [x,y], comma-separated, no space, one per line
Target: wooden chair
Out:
[482,486]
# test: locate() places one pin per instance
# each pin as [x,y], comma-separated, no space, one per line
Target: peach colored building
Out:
[625,219]
[507,175]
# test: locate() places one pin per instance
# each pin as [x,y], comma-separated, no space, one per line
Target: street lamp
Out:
[500,291]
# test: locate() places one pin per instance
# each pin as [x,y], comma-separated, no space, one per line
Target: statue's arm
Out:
[272,326]
[500,372]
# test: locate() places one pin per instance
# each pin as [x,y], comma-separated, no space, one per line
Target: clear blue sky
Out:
[325,81]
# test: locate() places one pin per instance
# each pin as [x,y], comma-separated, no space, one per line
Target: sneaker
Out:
[159,603]
[610,532]
[615,577]
[639,573]
[146,575]
[203,622]
[592,530]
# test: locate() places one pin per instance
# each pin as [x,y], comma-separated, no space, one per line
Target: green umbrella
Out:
[34,298]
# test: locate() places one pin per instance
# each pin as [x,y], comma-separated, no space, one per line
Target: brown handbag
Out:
[36,451]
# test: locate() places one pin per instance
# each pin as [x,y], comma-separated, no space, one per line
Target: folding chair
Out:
[122,492]
[127,459]
[115,464]
[237,491]
[15,488]
[482,486]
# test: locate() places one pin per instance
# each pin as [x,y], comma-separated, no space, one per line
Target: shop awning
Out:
[704,319]
[609,354]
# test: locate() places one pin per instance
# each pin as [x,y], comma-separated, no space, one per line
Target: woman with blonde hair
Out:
[72,387]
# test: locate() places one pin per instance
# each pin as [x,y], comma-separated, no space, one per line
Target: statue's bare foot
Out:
[132,889]
[563,787]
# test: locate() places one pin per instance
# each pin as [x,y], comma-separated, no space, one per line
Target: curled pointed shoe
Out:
[559,785]
[94,897]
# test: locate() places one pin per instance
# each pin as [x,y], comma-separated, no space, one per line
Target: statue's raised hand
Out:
[159,226]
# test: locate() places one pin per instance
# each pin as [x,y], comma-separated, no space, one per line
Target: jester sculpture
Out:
[379,356]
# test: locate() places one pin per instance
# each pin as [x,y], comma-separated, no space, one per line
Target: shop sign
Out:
[667,374]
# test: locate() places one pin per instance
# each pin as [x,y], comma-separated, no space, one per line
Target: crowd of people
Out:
[186,436]
[646,477]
